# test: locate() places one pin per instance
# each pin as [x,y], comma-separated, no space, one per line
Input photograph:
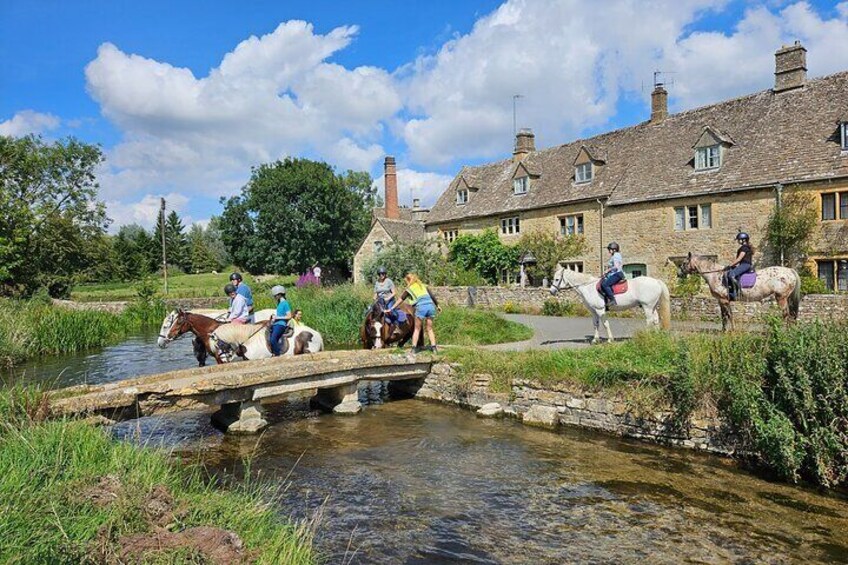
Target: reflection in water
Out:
[414,482]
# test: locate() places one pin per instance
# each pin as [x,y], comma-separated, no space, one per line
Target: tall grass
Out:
[46,467]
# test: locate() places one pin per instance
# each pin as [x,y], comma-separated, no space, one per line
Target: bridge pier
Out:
[342,399]
[240,417]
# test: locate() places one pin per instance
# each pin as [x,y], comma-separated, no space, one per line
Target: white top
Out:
[239,309]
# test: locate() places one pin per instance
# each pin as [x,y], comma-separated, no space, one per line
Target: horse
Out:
[377,333]
[781,283]
[199,348]
[649,293]
[226,341]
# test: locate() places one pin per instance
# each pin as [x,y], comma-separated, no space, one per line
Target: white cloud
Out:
[424,185]
[29,121]
[145,211]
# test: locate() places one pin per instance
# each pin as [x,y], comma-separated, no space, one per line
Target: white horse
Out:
[649,293]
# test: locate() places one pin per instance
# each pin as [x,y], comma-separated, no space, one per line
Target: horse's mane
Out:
[703,262]
[576,277]
[239,333]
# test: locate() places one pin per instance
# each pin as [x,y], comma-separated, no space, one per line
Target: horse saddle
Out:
[748,280]
[617,288]
[284,339]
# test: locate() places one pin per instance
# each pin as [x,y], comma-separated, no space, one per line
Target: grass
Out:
[47,467]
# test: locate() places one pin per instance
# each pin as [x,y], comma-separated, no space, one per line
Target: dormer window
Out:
[843,131]
[520,185]
[583,172]
[462,196]
[708,157]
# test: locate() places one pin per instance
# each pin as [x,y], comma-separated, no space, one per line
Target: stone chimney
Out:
[419,214]
[525,142]
[790,67]
[659,103]
[390,178]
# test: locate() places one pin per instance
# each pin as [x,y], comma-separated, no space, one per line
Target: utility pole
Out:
[164,256]
[779,188]
[515,98]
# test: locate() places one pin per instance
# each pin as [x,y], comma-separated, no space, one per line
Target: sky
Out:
[185,97]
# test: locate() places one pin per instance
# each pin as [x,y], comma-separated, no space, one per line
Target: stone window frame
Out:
[576,266]
[511,225]
[708,158]
[699,217]
[630,267]
[838,208]
[521,185]
[450,234]
[843,135]
[583,173]
[377,246]
[461,196]
[837,267]
[579,223]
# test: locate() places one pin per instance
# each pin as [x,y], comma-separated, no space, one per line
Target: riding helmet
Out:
[278,289]
[613,245]
[382,271]
[235,277]
[229,289]
[742,236]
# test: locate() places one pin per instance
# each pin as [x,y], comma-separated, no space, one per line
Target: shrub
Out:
[813,285]
[554,307]
[485,253]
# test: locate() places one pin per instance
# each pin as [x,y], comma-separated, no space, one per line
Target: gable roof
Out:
[782,137]
[403,231]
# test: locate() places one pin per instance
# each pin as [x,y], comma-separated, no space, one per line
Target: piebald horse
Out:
[226,341]
[781,283]
[649,293]
[376,332]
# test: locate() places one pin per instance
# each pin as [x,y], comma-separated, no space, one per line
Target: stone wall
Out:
[119,306]
[569,405]
[366,249]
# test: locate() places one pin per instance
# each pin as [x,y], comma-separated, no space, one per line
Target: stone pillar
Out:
[341,399]
[240,418]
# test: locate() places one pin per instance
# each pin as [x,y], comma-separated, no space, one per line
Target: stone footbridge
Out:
[239,389]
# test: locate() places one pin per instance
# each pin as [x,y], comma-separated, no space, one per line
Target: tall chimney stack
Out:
[525,142]
[659,103]
[790,67]
[390,178]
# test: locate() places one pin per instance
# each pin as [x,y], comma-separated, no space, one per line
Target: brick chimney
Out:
[659,103]
[525,142]
[390,178]
[790,67]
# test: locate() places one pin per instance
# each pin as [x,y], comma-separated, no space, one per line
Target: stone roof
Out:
[405,213]
[785,137]
[403,231]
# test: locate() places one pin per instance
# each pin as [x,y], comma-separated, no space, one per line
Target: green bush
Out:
[554,307]
[813,285]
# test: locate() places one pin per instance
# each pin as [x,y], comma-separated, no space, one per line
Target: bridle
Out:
[571,285]
[178,316]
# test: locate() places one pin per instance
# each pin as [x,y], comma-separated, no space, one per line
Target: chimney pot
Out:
[416,203]
[525,142]
[390,181]
[790,67]
[659,104]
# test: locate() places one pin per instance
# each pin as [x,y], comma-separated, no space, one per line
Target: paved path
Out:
[554,332]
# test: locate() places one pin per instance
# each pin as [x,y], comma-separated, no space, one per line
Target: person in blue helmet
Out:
[743,263]
[614,274]
[244,290]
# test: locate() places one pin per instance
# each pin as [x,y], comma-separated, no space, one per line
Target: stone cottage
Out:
[677,182]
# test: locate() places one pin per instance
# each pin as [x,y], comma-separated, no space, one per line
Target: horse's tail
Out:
[795,297]
[664,307]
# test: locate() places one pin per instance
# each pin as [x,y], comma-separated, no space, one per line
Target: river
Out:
[412,482]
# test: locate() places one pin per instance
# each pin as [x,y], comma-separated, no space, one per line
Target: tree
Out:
[484,253]
[294,213]
[549,249]
[176,243]
[203,255]
[134,253]
[790,227]
[49,214]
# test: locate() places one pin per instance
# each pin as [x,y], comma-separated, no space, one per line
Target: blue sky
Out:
[185,97]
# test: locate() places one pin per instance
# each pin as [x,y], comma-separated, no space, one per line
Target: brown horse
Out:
[377,332]
[781,283]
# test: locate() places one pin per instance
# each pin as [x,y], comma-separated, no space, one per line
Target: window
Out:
[634,270]
[828,206]
[462,196]
[583,172]
[834,274]
[843,134]
[571,225]
[520,185]
[510,226]
[576,266]
[843,205]
[708,157]
[693,217]
[450,235]
[378,246]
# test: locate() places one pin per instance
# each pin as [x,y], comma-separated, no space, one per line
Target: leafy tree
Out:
[790,228]
[176,243]
[549,249]
[361,183]
[49,214]
[485,253]
[425,259]
[203,256]
[294,213]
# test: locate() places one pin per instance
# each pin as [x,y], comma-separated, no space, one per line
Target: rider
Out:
[280,321]
[239,312]
[244,290]
[297,318]
[385,295]
[425,305]
[742,264]
[613,274]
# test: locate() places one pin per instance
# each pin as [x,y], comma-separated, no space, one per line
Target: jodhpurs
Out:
[276,333]
[608,281]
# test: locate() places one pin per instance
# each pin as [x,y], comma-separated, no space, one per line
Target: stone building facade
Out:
[677,182]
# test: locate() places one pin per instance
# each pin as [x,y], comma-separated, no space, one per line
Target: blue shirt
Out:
[244,290]
[283,309]
[615,259]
